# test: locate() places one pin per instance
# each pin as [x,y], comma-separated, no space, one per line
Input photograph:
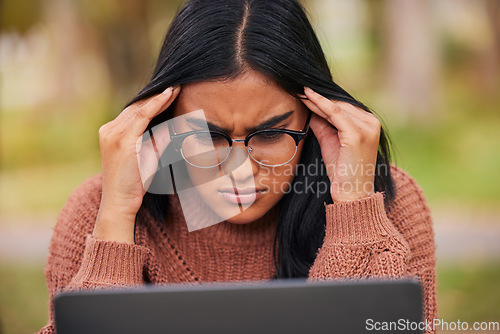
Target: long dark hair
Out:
[219,40]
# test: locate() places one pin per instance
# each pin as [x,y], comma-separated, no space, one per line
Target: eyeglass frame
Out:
[178,139]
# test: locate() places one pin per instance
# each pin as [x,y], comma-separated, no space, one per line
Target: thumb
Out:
[149,149]
[328,140]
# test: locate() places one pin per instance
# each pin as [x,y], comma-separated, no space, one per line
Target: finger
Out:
[366,123]
[321,127]
[125,114]
[325,133]
[328,110]
[130,111]
[349,119]
[358,113]
[160,137]
[147,160]
[328,140]
[141,117]
[355,121]
[309,104]
[352,130]
[353,111]
[150,149]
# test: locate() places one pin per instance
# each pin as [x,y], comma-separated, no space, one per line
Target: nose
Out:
[242,167]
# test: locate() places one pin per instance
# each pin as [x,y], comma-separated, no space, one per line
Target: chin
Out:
[249,215]
[232,212]
[243,218]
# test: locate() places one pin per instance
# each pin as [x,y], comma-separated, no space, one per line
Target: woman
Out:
[239,68]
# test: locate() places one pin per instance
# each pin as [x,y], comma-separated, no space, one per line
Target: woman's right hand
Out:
[126,162]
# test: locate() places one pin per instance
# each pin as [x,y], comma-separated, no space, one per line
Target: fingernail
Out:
[168,90]
[308,89]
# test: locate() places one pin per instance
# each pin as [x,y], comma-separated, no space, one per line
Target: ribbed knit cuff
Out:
[111,263]
[363,220]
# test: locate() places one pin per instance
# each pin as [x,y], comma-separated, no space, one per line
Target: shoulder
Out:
[82,205]
[410,204]
[407,189]
[76,220]
[87,195]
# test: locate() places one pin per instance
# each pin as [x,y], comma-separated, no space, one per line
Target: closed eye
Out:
[268,137]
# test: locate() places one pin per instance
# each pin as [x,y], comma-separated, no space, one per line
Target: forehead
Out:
[247,100]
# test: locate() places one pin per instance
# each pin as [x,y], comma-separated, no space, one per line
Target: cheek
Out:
[200,176]
[279,179]
[206,181]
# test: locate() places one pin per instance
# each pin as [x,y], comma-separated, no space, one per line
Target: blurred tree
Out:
[491,63]
[374,17]
[19,15]
[117,35]
[124,33]
[411,54]
[70,42]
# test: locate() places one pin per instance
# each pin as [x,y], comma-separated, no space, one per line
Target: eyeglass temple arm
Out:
[306,126]
[170,130]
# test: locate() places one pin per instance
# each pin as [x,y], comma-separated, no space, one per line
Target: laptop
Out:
[277,306]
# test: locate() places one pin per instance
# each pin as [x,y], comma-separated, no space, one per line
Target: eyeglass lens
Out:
[209,149]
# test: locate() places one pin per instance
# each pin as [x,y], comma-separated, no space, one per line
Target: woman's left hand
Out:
[349,138]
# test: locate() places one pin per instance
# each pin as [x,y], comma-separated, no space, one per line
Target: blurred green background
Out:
[430,69]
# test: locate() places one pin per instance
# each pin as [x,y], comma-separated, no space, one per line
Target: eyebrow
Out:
[264,125]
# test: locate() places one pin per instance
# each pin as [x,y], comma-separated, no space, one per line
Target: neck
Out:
[260,231]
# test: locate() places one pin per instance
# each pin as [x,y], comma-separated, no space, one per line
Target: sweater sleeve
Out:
[360,241]
[77,260]
[364,238]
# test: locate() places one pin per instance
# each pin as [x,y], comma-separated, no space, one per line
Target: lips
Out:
[241,191]
[246,195]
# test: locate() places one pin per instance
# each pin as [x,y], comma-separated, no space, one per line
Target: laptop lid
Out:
[278,306]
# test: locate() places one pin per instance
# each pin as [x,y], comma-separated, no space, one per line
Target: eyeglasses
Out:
[269,147]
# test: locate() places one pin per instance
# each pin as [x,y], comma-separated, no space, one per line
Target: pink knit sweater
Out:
[363,238]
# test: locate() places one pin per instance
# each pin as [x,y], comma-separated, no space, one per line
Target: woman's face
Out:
[239,107]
